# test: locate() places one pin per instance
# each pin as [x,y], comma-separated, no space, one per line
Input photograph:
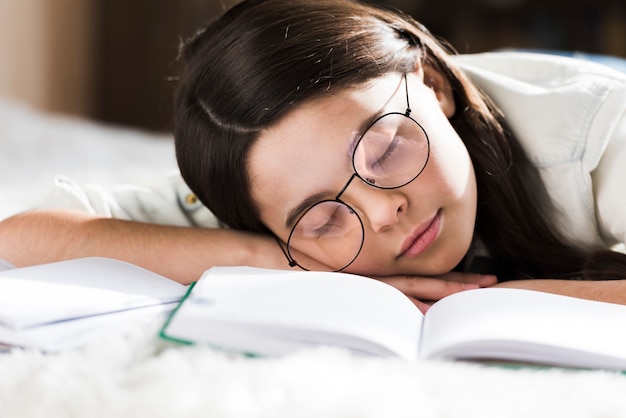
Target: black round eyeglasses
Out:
[392,151]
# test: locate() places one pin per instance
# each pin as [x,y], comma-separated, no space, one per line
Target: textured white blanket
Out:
[138,375]
[34,148]
[145,377]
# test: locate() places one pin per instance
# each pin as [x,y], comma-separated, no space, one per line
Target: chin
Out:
[436,262]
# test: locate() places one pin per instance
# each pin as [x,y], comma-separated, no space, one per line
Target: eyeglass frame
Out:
[407,113]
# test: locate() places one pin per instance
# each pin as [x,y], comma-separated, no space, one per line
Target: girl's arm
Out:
[423,290]
[613,291]
[180,253]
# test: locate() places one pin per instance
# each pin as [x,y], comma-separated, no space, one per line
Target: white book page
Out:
[76,333]
[69,289]
[5,265]
[526,326]
[301,308]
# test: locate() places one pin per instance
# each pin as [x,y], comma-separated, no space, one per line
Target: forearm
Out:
[613,291]
[180,253]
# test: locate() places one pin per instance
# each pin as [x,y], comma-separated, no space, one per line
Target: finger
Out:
[422,306]
[483,280]
[426,288]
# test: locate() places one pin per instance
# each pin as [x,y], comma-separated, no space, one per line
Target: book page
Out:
[69,289]
[5,265]
[275,311]
[526,326]
[76,333]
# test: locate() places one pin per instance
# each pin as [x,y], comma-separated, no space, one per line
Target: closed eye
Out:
[327,227]
[380,162]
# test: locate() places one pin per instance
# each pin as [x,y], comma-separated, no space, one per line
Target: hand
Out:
[424,291]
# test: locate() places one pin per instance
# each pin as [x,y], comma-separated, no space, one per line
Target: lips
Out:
[422,237]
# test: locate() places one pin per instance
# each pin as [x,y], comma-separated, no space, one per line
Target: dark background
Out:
[138,41]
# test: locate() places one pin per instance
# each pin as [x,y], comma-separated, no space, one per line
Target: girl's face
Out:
[422,228]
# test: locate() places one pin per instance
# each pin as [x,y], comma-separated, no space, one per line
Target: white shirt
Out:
[569,115]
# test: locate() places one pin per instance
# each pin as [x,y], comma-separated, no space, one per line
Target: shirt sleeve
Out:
[610,188]
[165,200]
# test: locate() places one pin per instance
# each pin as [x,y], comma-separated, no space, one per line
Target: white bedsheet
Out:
[34,148]
[140,376]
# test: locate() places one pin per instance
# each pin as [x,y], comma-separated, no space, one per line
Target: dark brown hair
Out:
[248,69]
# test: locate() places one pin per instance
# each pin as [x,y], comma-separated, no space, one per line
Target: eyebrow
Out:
[296,212]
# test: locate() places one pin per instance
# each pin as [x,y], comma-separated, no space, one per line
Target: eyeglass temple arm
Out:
[291,261]
[407,113]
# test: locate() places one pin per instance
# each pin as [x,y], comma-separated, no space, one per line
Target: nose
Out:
[381,208]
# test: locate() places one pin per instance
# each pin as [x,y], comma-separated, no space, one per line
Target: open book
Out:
[58,306]
[268,312]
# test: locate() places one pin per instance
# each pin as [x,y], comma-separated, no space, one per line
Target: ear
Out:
[441,86]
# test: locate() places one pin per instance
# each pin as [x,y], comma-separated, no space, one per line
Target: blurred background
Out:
[114,61]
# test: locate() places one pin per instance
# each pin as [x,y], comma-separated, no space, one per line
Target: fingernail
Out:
[491,278]
[469,286]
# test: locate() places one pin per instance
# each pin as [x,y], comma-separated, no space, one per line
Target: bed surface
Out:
[138,375]
[35,147]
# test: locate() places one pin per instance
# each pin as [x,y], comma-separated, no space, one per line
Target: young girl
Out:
[338,136]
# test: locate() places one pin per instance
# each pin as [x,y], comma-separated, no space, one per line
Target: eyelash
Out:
[388,152]
[324,229]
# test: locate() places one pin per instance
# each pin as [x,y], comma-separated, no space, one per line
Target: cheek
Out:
[370,261]
[449,162]
[450,165]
